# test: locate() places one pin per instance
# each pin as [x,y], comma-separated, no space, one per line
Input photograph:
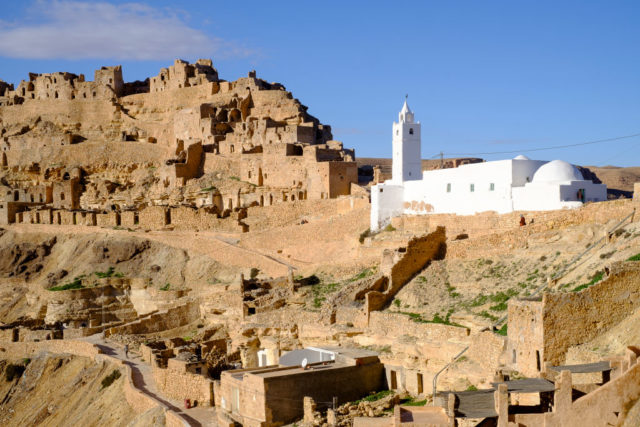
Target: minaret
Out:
[407,160]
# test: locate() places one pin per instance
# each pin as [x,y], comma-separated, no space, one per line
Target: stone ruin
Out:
[184,138]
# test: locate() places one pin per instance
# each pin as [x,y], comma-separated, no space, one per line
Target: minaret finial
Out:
[406,96]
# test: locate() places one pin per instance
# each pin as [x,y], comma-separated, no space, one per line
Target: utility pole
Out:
[441,160]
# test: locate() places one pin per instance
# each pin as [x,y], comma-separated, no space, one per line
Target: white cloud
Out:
[81,30]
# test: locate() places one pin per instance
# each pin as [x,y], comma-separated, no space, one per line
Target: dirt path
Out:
[143,381]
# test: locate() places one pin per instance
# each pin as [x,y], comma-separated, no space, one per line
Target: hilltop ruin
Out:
[182,138]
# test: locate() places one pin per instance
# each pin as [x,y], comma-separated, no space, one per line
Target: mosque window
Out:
[449,187]
[492,187]
[410,131]
[472,187]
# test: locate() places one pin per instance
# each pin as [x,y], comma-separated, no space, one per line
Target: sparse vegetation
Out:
[636,257]
[75,284]
[109,379]
[487,315]
[595,279]
[165,287]
[412,402]
[472,388]
[607,255]
[375,396]
[366,233]
[389,228]
[502,331]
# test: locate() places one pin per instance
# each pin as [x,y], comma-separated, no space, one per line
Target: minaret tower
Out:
[407,160]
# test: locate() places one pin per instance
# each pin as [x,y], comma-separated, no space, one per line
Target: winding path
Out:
[143,381]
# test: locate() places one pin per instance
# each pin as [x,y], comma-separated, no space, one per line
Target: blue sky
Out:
[482,76]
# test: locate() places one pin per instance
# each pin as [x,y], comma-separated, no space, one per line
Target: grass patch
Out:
[478,300]
[75,284]
[235,178]
[375,396]
[397,302]
[208,189]
[109,273]
[109,379]
[502,331]
[412,402]
[389,228]
[451,290]
[437,318]
[499,307]
[636,257]
[472,388]
[487,315]
[595,279]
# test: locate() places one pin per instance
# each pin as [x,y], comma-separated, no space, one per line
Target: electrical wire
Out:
[543,148]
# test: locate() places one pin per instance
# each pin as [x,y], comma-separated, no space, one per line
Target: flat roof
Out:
[584,368]
[527,385]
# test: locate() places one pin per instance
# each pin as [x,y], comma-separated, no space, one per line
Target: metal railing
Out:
[435,377]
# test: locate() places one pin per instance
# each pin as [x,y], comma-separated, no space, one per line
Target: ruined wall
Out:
[419,252]
[577,317]
[525,331]
[160,321]
[183,385]
[391,324]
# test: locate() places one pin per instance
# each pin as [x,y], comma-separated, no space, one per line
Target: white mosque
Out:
[518,184]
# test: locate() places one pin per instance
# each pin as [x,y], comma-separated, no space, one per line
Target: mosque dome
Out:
[521,157]
[557,170]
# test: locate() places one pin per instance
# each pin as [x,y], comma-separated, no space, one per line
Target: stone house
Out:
[273,395]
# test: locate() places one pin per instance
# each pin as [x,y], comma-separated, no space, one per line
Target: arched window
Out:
[410,131]
[61,196]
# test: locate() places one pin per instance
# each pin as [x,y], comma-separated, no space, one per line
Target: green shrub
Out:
[389,228]
[109,379]
[76,284]
[366,233]
[472,388]
[607,255]
[13,371]
[397,302]
[502,331]
[165,287]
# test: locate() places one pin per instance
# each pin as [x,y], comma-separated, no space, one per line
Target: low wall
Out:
[160,321]
[390,324]
[29,349]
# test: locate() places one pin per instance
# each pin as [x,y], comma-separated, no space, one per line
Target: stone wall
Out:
[493,223]
[577,317]
[160,321]
[525,350]
[183,385]
[391,324]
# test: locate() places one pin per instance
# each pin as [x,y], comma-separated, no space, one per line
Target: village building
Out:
[273,395]
[503,186]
